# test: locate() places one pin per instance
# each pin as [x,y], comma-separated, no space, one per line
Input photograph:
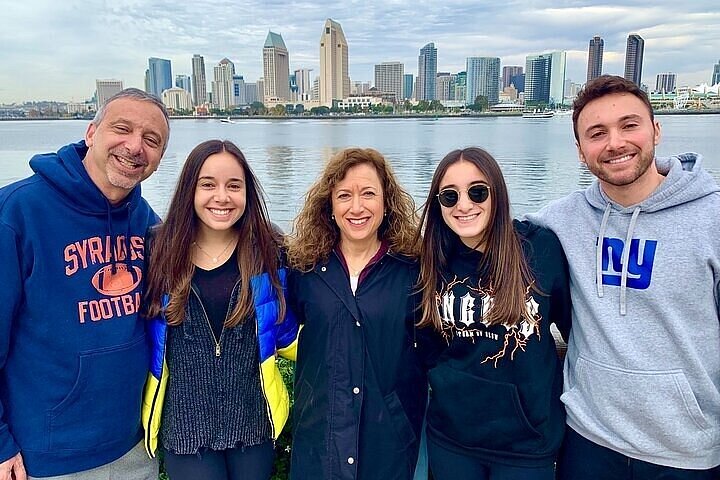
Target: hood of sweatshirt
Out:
[684,182]
[64,172]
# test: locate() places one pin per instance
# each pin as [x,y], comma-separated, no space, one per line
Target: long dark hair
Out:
[171,267]
[508,271]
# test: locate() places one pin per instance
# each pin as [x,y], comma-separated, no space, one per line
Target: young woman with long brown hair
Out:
[360,392]
[491,288]
[217,319]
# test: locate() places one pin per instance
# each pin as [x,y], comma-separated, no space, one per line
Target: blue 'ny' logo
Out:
[640,262]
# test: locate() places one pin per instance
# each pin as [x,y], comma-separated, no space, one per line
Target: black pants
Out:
[448,465]
[581,459]
[248,463]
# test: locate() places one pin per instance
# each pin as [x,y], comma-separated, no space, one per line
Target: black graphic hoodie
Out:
[496,389]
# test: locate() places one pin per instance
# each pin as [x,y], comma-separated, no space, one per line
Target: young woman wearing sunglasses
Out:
[491,288]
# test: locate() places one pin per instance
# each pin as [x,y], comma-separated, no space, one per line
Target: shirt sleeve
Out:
[10,297]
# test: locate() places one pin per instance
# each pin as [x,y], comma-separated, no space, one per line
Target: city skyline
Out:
[56,50]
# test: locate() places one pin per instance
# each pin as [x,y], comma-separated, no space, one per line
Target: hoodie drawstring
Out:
[599,251]
[625,260]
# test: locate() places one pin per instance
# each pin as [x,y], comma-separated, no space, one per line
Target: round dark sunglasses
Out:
[449,197]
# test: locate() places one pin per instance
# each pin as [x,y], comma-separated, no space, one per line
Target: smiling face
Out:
[616,140]
[467,219]
[219,193]
[358,205]
[125,147]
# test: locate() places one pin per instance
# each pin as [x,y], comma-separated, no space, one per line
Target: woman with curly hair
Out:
[360,391]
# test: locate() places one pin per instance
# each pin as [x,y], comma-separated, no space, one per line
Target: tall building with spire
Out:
[595,57]
[276,70]
[199,82]
[634,58]
[334,81]
[427,71]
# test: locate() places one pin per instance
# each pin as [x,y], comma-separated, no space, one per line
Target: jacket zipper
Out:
[217,341]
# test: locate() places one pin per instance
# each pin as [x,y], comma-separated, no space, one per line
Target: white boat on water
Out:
[227,120]
[538,114]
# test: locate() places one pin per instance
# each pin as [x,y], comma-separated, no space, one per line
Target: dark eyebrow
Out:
[624,118]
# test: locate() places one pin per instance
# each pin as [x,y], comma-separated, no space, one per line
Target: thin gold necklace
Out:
[211,257]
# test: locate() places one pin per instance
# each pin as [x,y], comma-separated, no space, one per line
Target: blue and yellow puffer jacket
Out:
[273,338]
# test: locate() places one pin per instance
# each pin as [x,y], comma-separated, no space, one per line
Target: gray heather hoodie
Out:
[642,373]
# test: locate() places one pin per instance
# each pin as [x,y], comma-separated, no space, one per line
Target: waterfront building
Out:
[408,79]
[222,85]
[183,81]
[304,85]
[177,100]
[427,71]
[545,79]
[238,90]
[518,81]
[251,93]
[444,86]
[104,89]
[334,79]
[81,108]
[260,85]
[159,76]
[508,72]
[665,83]
[634,58]
[361,102]
[199,82]
[359,88]
[715,80]
[595,57]
[389,79]
[483,78]
[276,70]
[461,86]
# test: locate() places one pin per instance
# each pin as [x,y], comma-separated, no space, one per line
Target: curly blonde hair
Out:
[315,234]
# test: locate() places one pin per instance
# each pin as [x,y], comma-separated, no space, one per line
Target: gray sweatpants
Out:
[134,465]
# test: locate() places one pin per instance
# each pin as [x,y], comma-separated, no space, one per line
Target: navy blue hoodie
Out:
[73,356]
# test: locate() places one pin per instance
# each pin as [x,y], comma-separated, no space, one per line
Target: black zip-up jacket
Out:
[496,389]
[360,392]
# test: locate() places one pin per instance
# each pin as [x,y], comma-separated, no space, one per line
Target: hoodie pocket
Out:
[649,412]
[103,406]
[478,413]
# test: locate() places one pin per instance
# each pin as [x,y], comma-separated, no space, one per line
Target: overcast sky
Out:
[55,49]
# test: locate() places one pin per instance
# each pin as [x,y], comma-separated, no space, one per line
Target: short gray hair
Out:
[133,94]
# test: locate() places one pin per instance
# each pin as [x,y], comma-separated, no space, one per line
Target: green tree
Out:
[480,105]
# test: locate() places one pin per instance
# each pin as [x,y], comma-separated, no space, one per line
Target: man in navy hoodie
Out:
[73,355]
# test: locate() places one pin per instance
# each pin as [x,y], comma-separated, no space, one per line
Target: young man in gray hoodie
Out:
[642,373]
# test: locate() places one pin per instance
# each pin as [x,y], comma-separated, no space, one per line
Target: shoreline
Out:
[433,116]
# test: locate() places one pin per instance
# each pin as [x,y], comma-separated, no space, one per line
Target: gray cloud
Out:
[56,50]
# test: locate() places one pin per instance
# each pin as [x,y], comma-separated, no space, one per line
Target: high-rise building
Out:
[199,83]
[545,78]
[716,74]
[508,72]
[358,88]
[427,71]
[251,93]
[104,89]
[483,78]
[408,86]
[444,86]
[183,81]
[276,69]
[260,86]
[304,85]
[222,85]
[389,79]
[595,57]
[634,58]
[334,79]
[460,85]
[518,81]
[239,90]
[159,76]
[665,83]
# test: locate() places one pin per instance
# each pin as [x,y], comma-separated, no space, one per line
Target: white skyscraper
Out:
[222,85]
[389,79]
[334,79]
[106,89]
[276,70]
[199,82]
[304,84]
